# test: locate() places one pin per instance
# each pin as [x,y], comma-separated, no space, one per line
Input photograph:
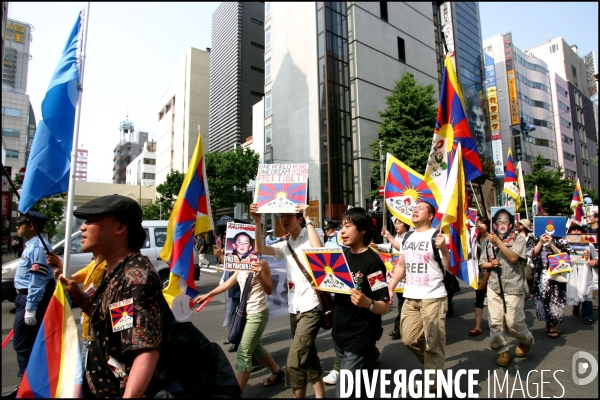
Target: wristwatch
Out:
[311,222]
[372,305]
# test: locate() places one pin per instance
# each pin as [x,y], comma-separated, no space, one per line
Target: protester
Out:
[394,246]
[269,240]
[524,229]
[580,280]
[592,220]
[479,245]
[218,245]
[257,311]
[550,291]
[34,283]
[331,234]
[90,276]
[201,247]
[506,295]
[423,322]
[303,363]
[17,247]
[126,311]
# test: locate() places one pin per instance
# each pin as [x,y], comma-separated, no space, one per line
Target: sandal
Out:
[553,334]
[475,332]
[278,378]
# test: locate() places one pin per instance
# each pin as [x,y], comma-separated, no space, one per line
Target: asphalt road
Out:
[553,356]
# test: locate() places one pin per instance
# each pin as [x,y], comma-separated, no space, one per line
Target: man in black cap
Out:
[331,234]
[126,311]
[34,283]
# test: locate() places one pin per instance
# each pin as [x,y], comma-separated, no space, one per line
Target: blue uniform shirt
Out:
[34,281]
[332,241]
[270,240]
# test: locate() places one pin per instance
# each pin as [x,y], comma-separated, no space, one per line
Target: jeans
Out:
[587,309]
[351,362]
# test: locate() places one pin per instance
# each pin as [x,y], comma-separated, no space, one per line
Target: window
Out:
[563,106]
[260,46]
[149,161]
[384,10]
[256,21]
[267,71]
[160,236]
[268,135]
[268,39]
[11,112]
[267,10]
[562,90]
[565,123]
[268,104]
[258,94]
[553,48]
[11,133]
[574,71]
[567,139]
[12,153]
[253,68]
[568,156]
[401,53]
[146,244]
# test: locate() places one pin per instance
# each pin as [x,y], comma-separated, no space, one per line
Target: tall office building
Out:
[130,146]
[181,111]
[237,72]
[564,60]
[328,68]
[81,166]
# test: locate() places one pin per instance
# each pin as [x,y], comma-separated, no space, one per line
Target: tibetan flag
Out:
[521,181]
[191,215]
[511,186]
[377,281]
[536,206]
[559,263]
[330,270]
[577,196]
[578,215]
[404,189]
[472,216]
[454,211]
[451,125]
[54,369]
[49,164]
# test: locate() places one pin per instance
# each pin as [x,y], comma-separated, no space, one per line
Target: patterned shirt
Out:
[511,274]
[126,316]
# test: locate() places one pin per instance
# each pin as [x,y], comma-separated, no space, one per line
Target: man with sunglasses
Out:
[303,363]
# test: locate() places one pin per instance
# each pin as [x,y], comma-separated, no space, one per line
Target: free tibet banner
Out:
[280,187]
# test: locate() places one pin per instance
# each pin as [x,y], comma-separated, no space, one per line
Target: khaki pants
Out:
[303,363]
[423,327]
[515,320]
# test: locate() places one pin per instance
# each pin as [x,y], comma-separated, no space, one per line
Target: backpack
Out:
[195,367]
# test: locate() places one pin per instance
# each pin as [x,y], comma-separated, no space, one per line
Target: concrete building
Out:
[142,169]
[326,82]
[81,166]
[130,145]
[237,71]
[181,113]
[524,91]
[563,124]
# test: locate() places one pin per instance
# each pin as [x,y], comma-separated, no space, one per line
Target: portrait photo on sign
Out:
[329,269]
[553,226]
[239,246]
[503,224]
[280,187]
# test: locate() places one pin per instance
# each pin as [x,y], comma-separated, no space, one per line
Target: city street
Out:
[555,356]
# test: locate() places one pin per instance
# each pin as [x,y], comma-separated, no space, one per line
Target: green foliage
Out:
[52,207]
[167,194]
[555,191]
[407,125]
[228,174]
[152,212]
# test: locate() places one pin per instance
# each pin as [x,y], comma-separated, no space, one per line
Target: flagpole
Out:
[475,195]
[71,193]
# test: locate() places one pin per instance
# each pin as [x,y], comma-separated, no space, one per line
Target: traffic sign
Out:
[381,190]
[22,174]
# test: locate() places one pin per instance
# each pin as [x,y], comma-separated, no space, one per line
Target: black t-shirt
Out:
[357,329]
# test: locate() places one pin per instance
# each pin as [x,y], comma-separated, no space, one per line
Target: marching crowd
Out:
[123,302]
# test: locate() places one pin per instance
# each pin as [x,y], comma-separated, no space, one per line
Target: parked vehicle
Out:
[156,235]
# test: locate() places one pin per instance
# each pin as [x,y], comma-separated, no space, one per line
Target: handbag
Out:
[239,317]
[324,298]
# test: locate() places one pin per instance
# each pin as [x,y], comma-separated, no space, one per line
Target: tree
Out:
[168,192]
[555,191]
[151,211]
[228,174]
[407,125]
[53,207]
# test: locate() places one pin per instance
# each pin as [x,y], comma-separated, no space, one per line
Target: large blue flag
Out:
[50,157]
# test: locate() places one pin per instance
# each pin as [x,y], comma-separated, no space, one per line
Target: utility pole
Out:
[382,178]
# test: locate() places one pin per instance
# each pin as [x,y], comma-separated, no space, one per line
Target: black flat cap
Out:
[122,207]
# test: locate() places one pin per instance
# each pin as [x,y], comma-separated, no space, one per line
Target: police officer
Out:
[331,234]
[34,283]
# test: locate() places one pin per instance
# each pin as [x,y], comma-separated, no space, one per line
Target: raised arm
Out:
[313,236]
[260,247]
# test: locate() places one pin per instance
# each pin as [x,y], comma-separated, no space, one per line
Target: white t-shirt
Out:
[301,296]
[424,277]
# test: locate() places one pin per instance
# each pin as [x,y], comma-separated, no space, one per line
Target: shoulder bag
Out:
[324,298]
[239,317]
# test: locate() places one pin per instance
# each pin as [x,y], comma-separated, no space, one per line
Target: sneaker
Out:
[503,359]
[331,378]
[588,321]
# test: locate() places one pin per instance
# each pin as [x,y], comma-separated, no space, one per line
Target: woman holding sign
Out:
[550,290]
[257,311]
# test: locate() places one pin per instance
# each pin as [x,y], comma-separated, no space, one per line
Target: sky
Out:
[133,50]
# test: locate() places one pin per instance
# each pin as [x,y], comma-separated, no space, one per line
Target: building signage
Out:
[492,95]
[447,28]
[14,32]
[508,52]
[497,154]
[313,206]
[513,97]
[490,71]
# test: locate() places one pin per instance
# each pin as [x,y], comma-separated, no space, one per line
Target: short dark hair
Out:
[504,210]
[359,217]
[237,235]
[136,234]
[430,207]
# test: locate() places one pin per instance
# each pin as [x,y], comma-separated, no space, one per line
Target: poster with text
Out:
[239,247]
[559,263]
[280,187]
[553,226]
[329,269]
[390,260]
